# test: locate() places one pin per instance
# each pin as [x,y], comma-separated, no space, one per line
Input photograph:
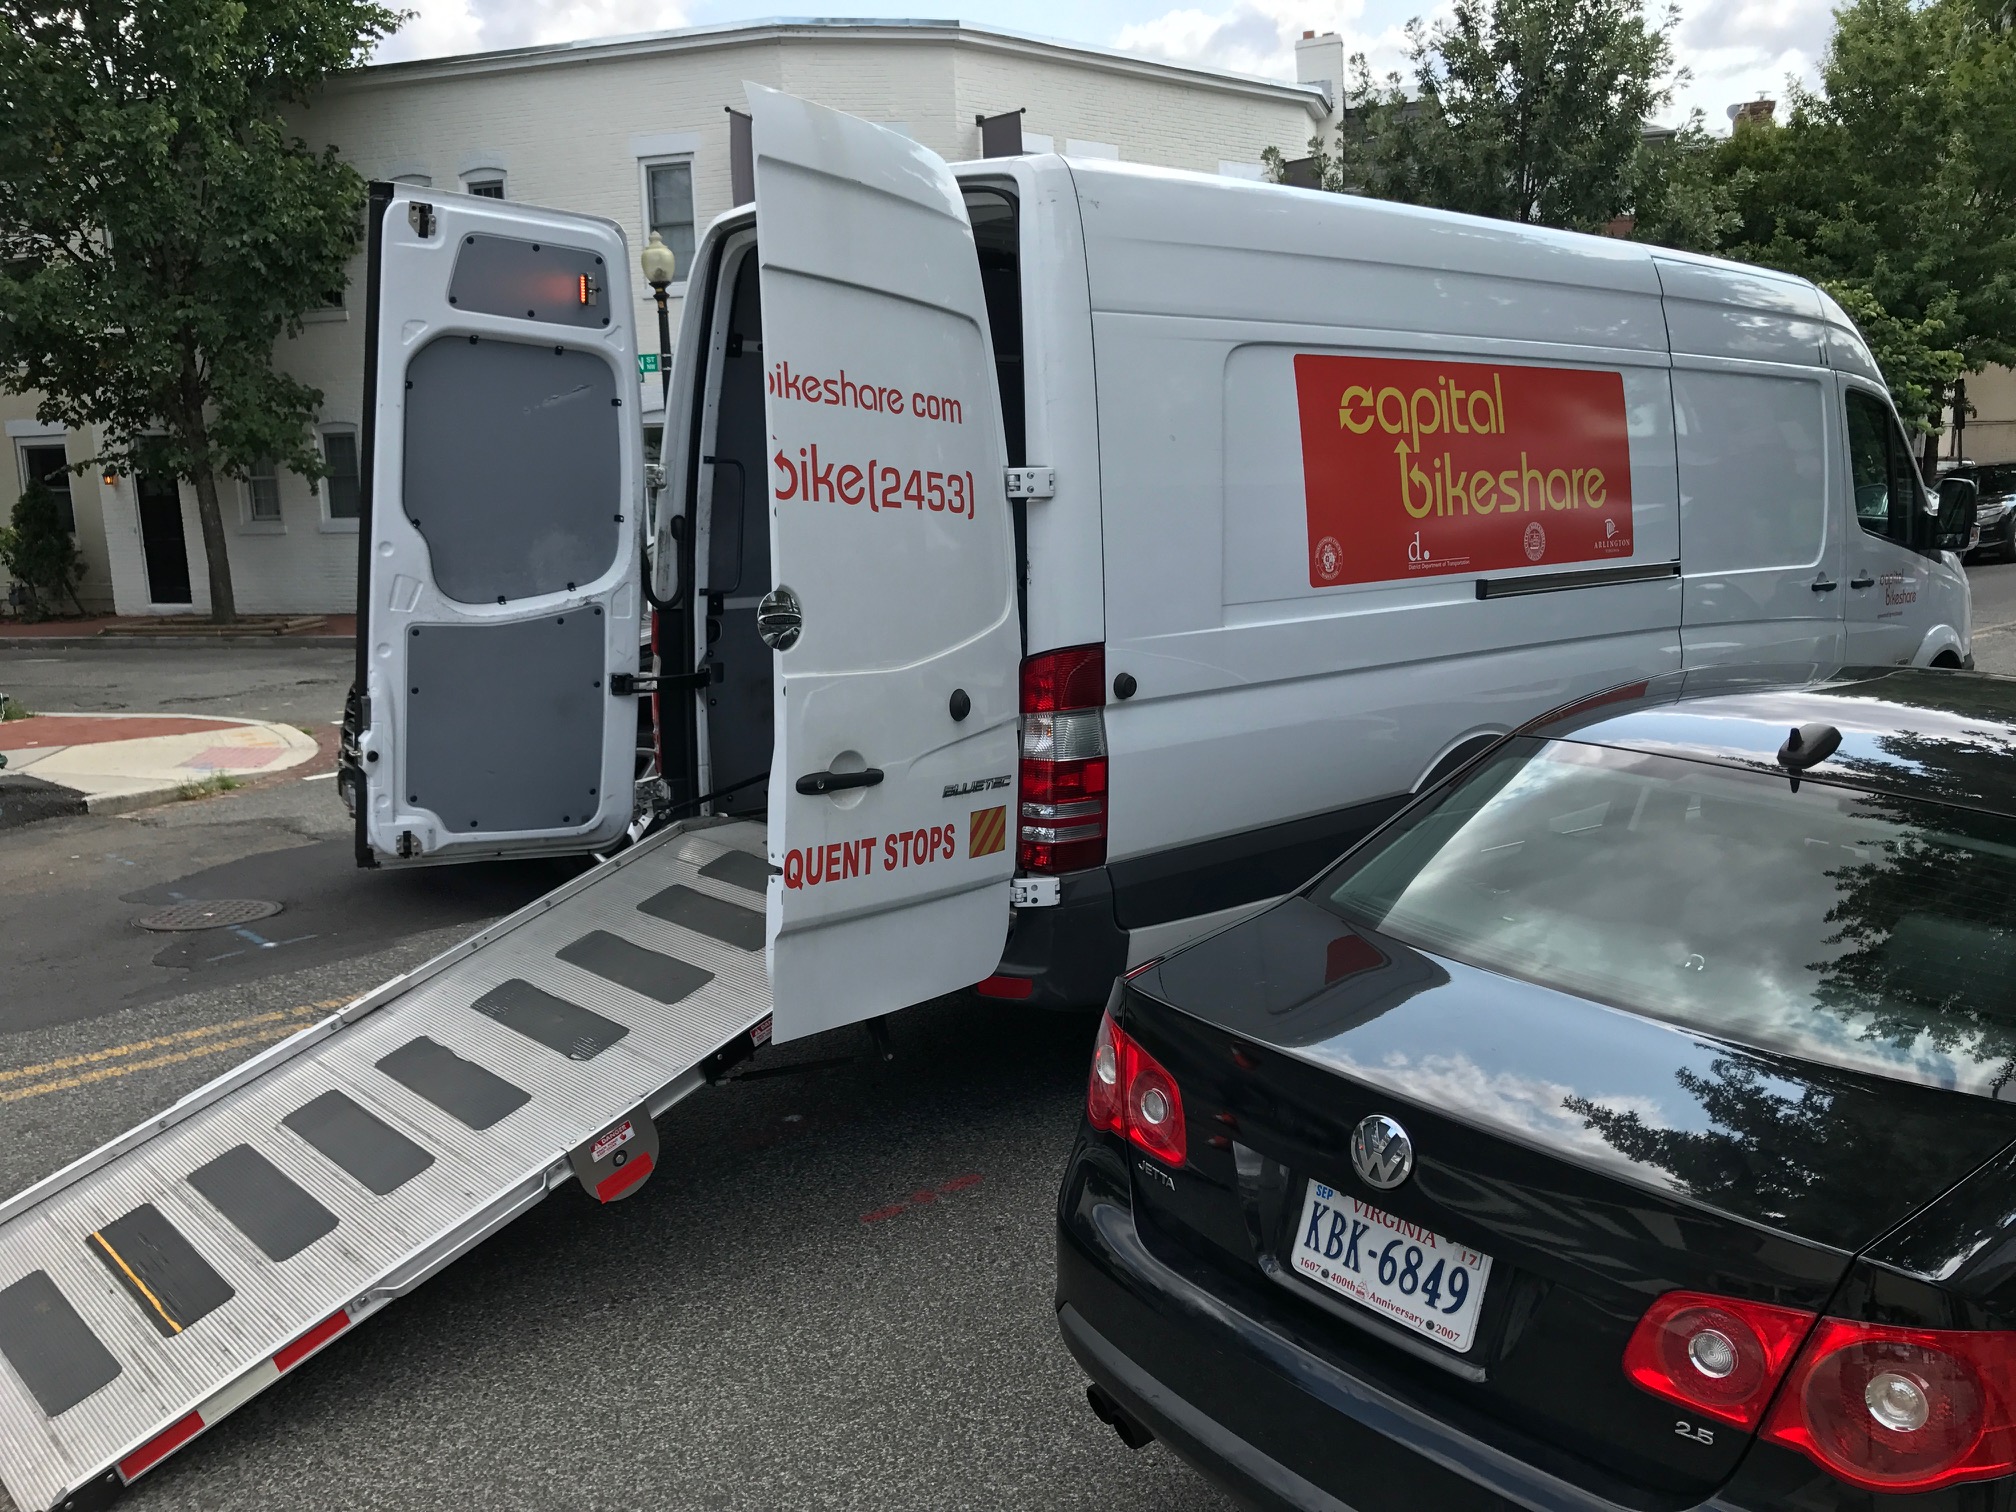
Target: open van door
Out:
[497,591]
[892,610]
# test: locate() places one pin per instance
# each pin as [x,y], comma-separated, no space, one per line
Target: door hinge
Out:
[633,684]
[1035,892]
[1031,482]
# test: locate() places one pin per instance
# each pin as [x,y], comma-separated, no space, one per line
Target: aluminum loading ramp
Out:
[161,1282]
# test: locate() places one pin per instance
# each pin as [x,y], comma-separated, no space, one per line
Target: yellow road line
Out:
[291,1024]
[162,1042]
[142,1285]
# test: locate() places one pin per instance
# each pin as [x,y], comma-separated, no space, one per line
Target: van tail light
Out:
[1130,1093]
[1717,1356]
[1901,1409]
[1063,769]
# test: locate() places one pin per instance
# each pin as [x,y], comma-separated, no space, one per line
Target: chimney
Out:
[1757,112]
[1319,60]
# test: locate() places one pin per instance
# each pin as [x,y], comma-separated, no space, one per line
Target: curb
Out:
[127,803]
[109,642]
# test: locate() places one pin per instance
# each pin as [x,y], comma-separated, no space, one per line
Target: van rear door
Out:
[498,592]
[892,611]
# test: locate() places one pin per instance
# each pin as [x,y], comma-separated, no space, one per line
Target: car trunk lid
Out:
[1599,1158]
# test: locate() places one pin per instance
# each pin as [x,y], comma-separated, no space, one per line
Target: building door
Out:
[162,541]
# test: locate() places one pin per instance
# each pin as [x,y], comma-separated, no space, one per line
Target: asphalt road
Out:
[1994,617]
[737,1335]
[299,685]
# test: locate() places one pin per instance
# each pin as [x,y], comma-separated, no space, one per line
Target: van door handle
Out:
[1825,585]
[812,784]
[1864,581]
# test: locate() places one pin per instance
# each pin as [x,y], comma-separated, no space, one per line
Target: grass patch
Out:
[13,708]
[209,787]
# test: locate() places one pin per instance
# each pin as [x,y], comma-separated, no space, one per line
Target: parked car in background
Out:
[1996,512]
[1621,1125]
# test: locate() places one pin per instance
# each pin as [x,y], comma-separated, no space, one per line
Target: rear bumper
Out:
[1278,1423]
[1248,1407]
[1069,953]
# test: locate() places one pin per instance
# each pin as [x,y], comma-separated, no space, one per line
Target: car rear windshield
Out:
[1997,480]
[1833,924]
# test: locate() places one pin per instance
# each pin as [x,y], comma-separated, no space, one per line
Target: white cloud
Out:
[444,27]
[1734,49]
[1258,36]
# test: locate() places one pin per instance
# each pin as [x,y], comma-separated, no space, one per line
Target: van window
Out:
[1884,477]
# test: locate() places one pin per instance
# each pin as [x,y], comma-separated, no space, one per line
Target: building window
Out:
[339,454]
[668,208]
[262,492]
[488,187]
[44,462]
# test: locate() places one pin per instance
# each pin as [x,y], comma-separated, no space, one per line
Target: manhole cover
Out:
[209,913]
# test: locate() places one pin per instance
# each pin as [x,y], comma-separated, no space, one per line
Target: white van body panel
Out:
[889,525]
[1064,597]
[504,364]
[1762,529]
[1263,698]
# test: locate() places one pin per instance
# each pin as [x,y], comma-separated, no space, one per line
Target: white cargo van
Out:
[1085,552]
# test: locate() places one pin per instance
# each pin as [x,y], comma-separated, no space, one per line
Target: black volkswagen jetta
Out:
[1620,1126]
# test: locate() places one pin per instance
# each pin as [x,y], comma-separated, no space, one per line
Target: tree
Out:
[161,227]
[1894,185]
[1528,110]
[40,553]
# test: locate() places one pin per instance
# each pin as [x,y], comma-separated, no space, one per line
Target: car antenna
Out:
[1807,746]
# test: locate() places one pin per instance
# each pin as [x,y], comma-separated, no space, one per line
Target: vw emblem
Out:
[1381,1152]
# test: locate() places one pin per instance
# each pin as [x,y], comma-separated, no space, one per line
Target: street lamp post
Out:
[659,267]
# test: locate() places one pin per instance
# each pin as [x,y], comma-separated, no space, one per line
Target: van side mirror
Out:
[1958,499]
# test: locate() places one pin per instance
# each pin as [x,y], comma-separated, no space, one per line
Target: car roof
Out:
[1917,732]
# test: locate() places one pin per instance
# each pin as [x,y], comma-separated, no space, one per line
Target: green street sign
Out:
[647,362]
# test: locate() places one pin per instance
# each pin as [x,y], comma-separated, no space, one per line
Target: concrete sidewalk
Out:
[179,630]
[112,763]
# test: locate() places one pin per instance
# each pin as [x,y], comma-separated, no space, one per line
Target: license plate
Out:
[1400,1270]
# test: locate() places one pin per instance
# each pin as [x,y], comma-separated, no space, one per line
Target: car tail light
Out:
[1130,1093]
[1063,776]
[1719,1356]
[1901,1409]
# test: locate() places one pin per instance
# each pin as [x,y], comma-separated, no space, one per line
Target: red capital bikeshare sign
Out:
[1417,469]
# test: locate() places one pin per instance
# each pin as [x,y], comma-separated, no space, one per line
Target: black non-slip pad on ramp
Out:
[615,959]
[706,914]
[460,1088]
[552,1021]
[740,869]
[50,1347]
[262,1204]
[377,1154]
[160,1270]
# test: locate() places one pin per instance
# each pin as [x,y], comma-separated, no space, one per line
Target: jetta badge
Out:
[1381,1152]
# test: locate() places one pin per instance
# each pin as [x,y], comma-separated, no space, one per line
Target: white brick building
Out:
[583,126]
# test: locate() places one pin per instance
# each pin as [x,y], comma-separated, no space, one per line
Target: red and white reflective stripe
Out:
[222,1404]
[624,1177]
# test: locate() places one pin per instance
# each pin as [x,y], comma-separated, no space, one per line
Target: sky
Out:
[1734,49]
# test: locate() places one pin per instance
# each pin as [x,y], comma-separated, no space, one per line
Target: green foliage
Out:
[1894,186]
[40,554]
[1527,110]
[161,225]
